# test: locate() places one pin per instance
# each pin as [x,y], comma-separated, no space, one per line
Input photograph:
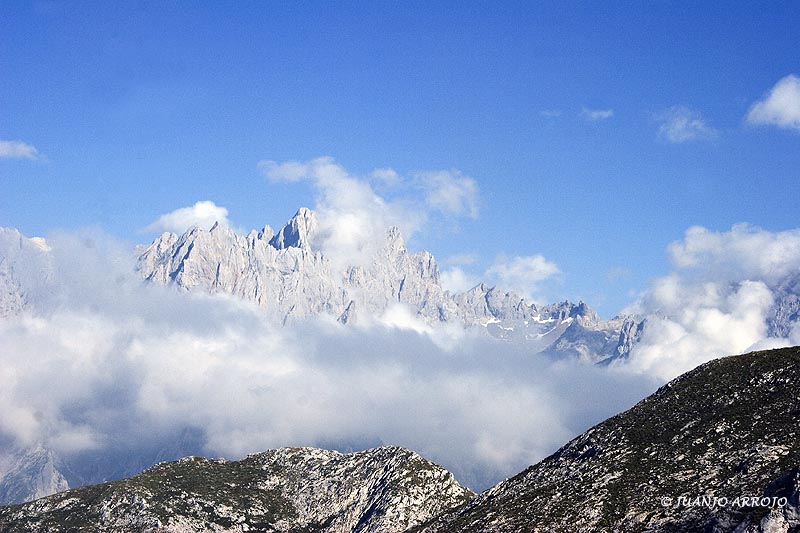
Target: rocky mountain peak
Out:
[585,313]
[266,233]
[395,245]
[297,232]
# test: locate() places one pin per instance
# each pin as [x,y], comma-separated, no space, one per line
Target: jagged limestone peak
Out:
[297,232]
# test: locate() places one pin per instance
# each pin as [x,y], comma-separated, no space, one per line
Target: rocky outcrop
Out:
[717,449]
[382,490]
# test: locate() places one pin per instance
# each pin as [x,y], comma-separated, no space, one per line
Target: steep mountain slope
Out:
[33,473]
[290,489]
[728,429]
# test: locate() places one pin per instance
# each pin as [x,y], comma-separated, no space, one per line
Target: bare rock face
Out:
[382,490]
[283,274]
[683,459]
[298,231]
[291,280]
[33,473]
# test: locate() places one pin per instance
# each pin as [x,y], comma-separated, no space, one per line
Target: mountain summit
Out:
[297,232]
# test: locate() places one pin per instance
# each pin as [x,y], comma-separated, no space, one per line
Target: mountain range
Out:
[283,273]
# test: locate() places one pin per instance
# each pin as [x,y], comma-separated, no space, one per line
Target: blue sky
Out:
[595,134]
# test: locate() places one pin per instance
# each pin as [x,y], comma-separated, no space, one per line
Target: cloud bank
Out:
[108,359]
[102,359]
[717,300]
[780,107]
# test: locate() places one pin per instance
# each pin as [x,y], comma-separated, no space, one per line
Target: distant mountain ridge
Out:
[285,275]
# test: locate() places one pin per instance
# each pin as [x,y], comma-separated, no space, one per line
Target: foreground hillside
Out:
[716,450]
[728,429]
[291,489]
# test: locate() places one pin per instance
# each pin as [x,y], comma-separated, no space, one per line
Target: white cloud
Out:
[597,114]
[522,274]
[17,150]
[679,124]
[322,169]
[550,113]
[386,176]
[107,350]
[461,259]
[353,217]
[696,323]
[204,214]
[456,280]
[451,192]
[744,252]
[716,301]
[400,316]
[781,107]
